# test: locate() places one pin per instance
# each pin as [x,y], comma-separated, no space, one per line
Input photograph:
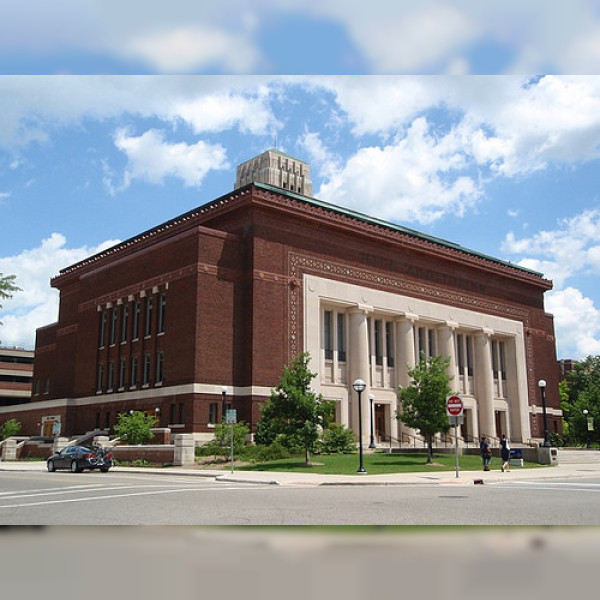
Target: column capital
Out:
[407,317]
[360,308]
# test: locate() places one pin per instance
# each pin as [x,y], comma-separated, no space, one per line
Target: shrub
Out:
[220,445]
[135,428]
[337,439]
[10,427]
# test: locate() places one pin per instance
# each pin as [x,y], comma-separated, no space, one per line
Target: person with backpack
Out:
[505,453]
[486,453]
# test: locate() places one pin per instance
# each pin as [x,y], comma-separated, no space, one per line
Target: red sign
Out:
[454,406]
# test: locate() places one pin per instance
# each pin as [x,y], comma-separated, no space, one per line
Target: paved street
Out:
[563,495]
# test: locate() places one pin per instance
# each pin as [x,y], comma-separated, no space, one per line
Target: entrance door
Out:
[379,421]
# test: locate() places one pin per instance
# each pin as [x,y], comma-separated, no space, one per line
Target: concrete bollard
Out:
[59,443]
[184,450]
[547,456]
[9,449]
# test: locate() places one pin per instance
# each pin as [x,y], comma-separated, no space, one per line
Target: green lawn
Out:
[376,463]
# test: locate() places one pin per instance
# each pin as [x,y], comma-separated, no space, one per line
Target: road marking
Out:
[28,493]
[112,496]
[558,485]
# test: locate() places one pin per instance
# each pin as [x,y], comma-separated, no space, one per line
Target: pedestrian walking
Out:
[505,453]
[486,453]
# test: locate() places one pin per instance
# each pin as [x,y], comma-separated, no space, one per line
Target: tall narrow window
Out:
[460,340]
[432,350]
[422,346]
[162,304]
[495,357]
[212,412]
[102,330]
[134,371]
[122,368]
[341,337]
[137,309]
[149,309]
[124,322]
[111,376]
[389,343]
[146,372]
[469,341]
[377,341]
[99,377]
[113,326]
[327,334]
[159,366]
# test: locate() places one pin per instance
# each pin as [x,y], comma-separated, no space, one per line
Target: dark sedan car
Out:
[78,458]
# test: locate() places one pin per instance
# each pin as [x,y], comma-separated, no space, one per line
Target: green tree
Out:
[583,394]
[10,427]
[294,414]
[134,428]
[7,287]
[220,445]
[423,402]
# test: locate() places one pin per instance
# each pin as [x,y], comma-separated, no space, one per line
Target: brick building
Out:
[228,293]
[16,375]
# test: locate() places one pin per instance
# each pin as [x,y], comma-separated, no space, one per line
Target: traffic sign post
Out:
[454,410]
[231,420]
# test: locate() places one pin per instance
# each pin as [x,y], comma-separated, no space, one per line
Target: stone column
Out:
[448,350]
[405,352]
[184,450]
[358,366]
[484,383]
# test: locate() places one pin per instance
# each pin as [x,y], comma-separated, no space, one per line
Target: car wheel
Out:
[51,466]
[74,467]
[104,469]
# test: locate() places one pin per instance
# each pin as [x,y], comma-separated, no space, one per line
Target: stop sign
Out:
[454,406]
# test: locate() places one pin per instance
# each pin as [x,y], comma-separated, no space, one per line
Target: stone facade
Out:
[275,168]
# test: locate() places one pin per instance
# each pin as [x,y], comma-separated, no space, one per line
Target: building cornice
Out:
[341,218]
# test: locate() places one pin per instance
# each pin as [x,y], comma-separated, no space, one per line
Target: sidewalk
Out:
[584,469]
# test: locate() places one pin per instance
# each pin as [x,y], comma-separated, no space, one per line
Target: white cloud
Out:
[318,155]
[570,250]
[411,36]
[221,111]
[417,178]
[37,304]
[152,159]
[564,254]
[187,49]
[507,124]
[34,107]
[576,323]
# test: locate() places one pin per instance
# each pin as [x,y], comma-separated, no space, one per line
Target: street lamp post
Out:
[542,385]
[371,398]
[586,412]
[157,415]
[359,386]
[223,405]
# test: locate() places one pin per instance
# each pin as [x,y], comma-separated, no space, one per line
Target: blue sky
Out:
[115,117]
